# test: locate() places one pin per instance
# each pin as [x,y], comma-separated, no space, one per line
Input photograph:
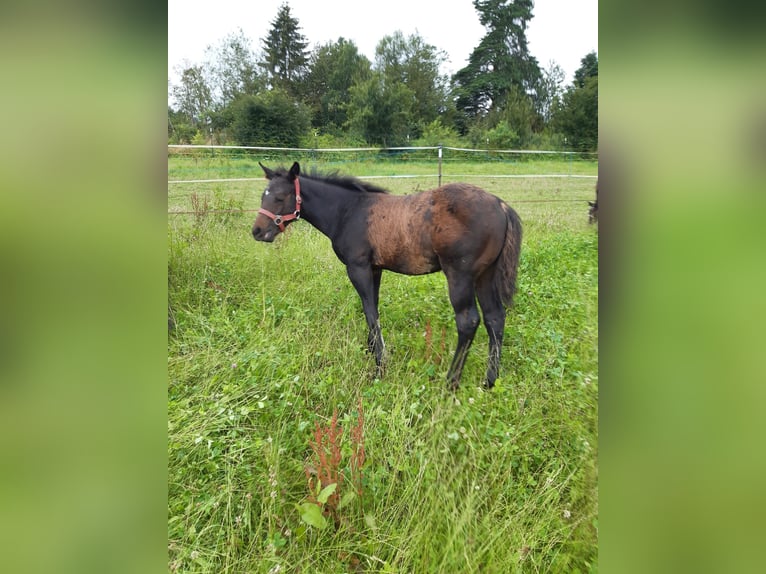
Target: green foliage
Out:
[285,53]
[549,91]
[269,339]
[500,63]
[413,63]
[199,138]
[333,69]
[269,119]
[508,128]
[577,119]
[379,111]
[326,492]
[231,69]
[436,133]
[337,138]
[193,97]
[502,136]
[404,92]
[501,95]
[588,69]
[180,131]
[311,514]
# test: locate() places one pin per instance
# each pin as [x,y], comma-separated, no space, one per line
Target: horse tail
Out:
[508,260]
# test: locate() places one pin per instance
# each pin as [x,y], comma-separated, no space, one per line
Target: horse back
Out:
[456,225]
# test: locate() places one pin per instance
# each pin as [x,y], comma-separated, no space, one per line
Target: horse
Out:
[472,236]
[593,210]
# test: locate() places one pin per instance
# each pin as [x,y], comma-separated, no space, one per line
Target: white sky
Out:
[561,30]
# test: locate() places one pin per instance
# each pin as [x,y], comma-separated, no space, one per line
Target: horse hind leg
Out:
[494,321]
[463,298]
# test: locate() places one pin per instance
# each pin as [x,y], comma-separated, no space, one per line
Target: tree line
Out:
[285,95]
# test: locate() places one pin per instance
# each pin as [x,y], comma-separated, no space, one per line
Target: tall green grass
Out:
[268,340]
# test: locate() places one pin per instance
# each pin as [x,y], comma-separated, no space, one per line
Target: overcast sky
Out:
[561,30]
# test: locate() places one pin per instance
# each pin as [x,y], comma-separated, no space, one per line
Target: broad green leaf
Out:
[327,492]
[311,514]
[348,497]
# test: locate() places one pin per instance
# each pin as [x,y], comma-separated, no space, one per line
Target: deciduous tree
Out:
[232,69]
[412,62]
[271,118]
[379,111]
[192,96]
[333,69]
[578,117]
[551,88]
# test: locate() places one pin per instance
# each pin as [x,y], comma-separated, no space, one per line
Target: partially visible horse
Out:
[472,236]
[593,211]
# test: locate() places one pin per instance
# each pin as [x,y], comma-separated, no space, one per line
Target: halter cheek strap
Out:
[280,220]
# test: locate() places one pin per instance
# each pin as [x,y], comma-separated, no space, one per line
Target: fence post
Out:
[440,165]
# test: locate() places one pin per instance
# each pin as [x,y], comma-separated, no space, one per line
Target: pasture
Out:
[267,357]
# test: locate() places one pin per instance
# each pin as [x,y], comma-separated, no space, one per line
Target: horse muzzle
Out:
[266,233]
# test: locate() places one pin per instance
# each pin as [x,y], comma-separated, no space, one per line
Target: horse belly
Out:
[410,264]
[400,242]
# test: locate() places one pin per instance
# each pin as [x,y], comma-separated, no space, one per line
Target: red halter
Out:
[280,220]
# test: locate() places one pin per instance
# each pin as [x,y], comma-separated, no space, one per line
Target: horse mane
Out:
[345,181]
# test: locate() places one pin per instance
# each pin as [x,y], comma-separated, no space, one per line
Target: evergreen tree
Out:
[285,51]
[501,64]
[588,69]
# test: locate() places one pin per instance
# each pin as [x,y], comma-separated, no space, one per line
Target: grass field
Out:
[269,342]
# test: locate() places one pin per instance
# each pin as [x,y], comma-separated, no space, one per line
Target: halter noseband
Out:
[280,220]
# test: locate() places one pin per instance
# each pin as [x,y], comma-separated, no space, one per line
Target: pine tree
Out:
[588,69]
[285,51]
[501,64]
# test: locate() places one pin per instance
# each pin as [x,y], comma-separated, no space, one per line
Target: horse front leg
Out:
[366,281]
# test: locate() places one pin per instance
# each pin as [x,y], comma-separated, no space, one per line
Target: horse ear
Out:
[295,170]
[269,173]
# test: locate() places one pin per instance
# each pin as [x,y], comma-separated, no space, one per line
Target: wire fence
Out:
[196,167]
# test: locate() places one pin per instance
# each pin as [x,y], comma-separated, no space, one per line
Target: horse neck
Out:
[324,205]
